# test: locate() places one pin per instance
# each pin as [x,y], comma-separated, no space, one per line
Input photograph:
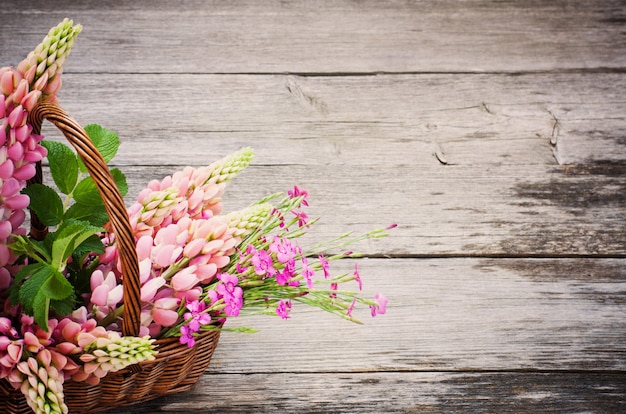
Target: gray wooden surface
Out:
[492,132]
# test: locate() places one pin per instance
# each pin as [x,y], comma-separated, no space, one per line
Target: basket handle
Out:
[113,202]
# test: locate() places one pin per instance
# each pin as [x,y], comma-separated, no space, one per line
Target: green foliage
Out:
[51,281]
[46,203]
[63,165]
[106,141]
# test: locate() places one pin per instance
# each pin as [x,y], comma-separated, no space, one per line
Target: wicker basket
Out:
[177,368]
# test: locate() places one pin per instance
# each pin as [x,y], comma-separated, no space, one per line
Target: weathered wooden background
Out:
[493,133]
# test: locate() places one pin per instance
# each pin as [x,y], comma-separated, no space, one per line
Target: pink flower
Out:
[298,192]
[325,266]
[302,218]
[231,293]
[357,276]
[381,305]
[185,279]
[307,272]
[164,312]
[351,308]
[283,309]
[285,250]
[263,263]
[104,290]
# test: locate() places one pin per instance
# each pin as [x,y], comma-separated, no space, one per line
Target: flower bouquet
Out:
[103,305]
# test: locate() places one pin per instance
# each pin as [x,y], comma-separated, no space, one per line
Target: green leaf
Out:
[31,288]
[93,244]
[86,193]
[25,246]
[106,141]
[70,235]
[56,286]
[63,165]
[120,180]
[22,274]
[63,307]
[46,203]
[96,215]
[41,305]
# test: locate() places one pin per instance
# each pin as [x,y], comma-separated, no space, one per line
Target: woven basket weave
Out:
[177,368]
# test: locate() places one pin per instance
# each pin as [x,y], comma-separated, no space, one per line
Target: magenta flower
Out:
[186,336]
[325,266]
[299,192]
[263,263]
[351,308]
[285,250]
[196,315]
[381,305]
[357,276]
[307,272]
[302,218]
[283,309]
[231,293]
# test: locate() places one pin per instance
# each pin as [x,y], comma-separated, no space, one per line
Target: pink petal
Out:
[185,279]
[149,289]
[165,317]
[17,202]
[115,295]
[100,295]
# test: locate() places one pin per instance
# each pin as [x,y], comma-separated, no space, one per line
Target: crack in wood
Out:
[305,99]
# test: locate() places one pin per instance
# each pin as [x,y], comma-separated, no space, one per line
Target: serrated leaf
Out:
[96,215]
[93,244]
[70,235]
[41,305]
[63,165]
[106,141]
[46,203]
[31,287]
[22,274]
[120,180]
[56,286]
[86,193]
[63,307]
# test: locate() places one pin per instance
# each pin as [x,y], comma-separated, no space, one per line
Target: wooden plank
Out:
[327,36]
[405,119]
[452,210]
[450,315]
[398,392]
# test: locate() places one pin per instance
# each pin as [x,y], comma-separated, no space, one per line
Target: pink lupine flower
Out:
[150,288]
[164,312]
[105,291]
[185,279]
[381,305]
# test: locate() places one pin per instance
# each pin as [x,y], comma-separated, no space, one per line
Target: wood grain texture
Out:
[449,210]
[326,36]
[491,131]
[444,392]
[403,119]
[493,335]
